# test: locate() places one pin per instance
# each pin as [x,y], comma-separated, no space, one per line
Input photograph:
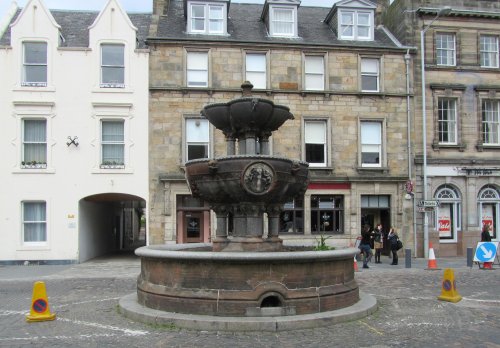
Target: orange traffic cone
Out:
[356,269]
[431,263]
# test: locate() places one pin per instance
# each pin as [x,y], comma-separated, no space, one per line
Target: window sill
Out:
[28,88]
[487,147]
[460,147]
[112,166]
[108,170]
[384,170]
[33,170]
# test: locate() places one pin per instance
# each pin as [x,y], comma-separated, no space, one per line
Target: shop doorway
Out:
[375,210]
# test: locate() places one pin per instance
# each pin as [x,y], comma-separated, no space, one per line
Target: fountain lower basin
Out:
[191,279]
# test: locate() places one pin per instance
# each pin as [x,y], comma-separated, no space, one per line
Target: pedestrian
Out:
[485,234]
[364,245]
[392,238]
[378,237]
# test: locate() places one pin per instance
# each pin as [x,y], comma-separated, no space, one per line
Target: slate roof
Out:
[74,27]
[244,25]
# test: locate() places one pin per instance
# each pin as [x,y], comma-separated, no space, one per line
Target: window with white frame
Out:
[370,75]
[283,21]
[206,18]
[488,51]
[34,217]
[447,121]
[371,143]
[197,69]
[490,125]
[112,144]
[315,140]
[113,65]
[489,208]
[445,49]
[356,25]
[34,64]
[197,135]
[256,69]
[448,215]
[34,149]
[314,71]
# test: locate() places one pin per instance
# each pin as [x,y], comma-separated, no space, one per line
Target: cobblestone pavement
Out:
[85,297]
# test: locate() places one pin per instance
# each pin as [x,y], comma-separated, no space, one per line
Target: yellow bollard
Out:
[449,289]
[40,310]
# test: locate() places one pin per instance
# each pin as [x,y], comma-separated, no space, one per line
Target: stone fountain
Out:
[249,280]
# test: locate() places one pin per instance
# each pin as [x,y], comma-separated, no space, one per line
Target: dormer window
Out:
[34,64]
[356,25]
[283,21]
[206,18]
[280,17]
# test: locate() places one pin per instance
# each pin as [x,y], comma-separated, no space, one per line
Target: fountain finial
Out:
[247,88]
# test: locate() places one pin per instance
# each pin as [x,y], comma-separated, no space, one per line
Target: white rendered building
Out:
[74,133]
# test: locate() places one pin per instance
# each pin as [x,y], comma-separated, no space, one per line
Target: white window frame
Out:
[260,71]
[490,121]
[489,196]
[25,164]
[273,21]
[202,70]
[186,141]
[310,138]
[107,84]
[488,54]
[207,19]
[450,58]
[24,222]
[312,72]
[369,73]
[448,195]
[27,65]
[103,164]
[449,126]
[372,146]
[355,25]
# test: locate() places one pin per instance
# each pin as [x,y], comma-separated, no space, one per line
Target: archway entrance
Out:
[109,223]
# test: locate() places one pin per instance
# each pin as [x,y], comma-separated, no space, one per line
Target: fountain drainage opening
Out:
[271,301]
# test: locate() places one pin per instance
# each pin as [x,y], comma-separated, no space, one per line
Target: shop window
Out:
[327,214]
[292,217]
[489,208]
[448,214]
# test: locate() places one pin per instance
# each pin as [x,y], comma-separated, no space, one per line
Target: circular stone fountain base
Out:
[189,285]
[132,309]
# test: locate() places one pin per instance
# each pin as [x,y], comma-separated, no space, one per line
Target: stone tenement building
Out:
[462,95]
[344,78]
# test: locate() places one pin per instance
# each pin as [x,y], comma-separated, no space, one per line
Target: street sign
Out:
[486,251]
[431,203]
[425,209]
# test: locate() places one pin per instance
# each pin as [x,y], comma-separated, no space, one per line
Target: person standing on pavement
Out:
[378,236]
[485,234]
[364,246]
[392,238]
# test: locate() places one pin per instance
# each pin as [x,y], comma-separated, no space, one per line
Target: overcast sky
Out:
[128,5]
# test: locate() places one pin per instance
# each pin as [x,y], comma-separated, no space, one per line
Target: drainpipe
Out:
[408,135]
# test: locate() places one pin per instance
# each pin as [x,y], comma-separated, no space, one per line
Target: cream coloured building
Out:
[74,135]
[344,77]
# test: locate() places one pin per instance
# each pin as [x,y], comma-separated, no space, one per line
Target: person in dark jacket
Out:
[364,245]
[485,235]
[378,239]
[392,238]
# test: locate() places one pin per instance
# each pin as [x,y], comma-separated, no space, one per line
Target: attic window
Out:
[356,25]
[206,18]
[283,21]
